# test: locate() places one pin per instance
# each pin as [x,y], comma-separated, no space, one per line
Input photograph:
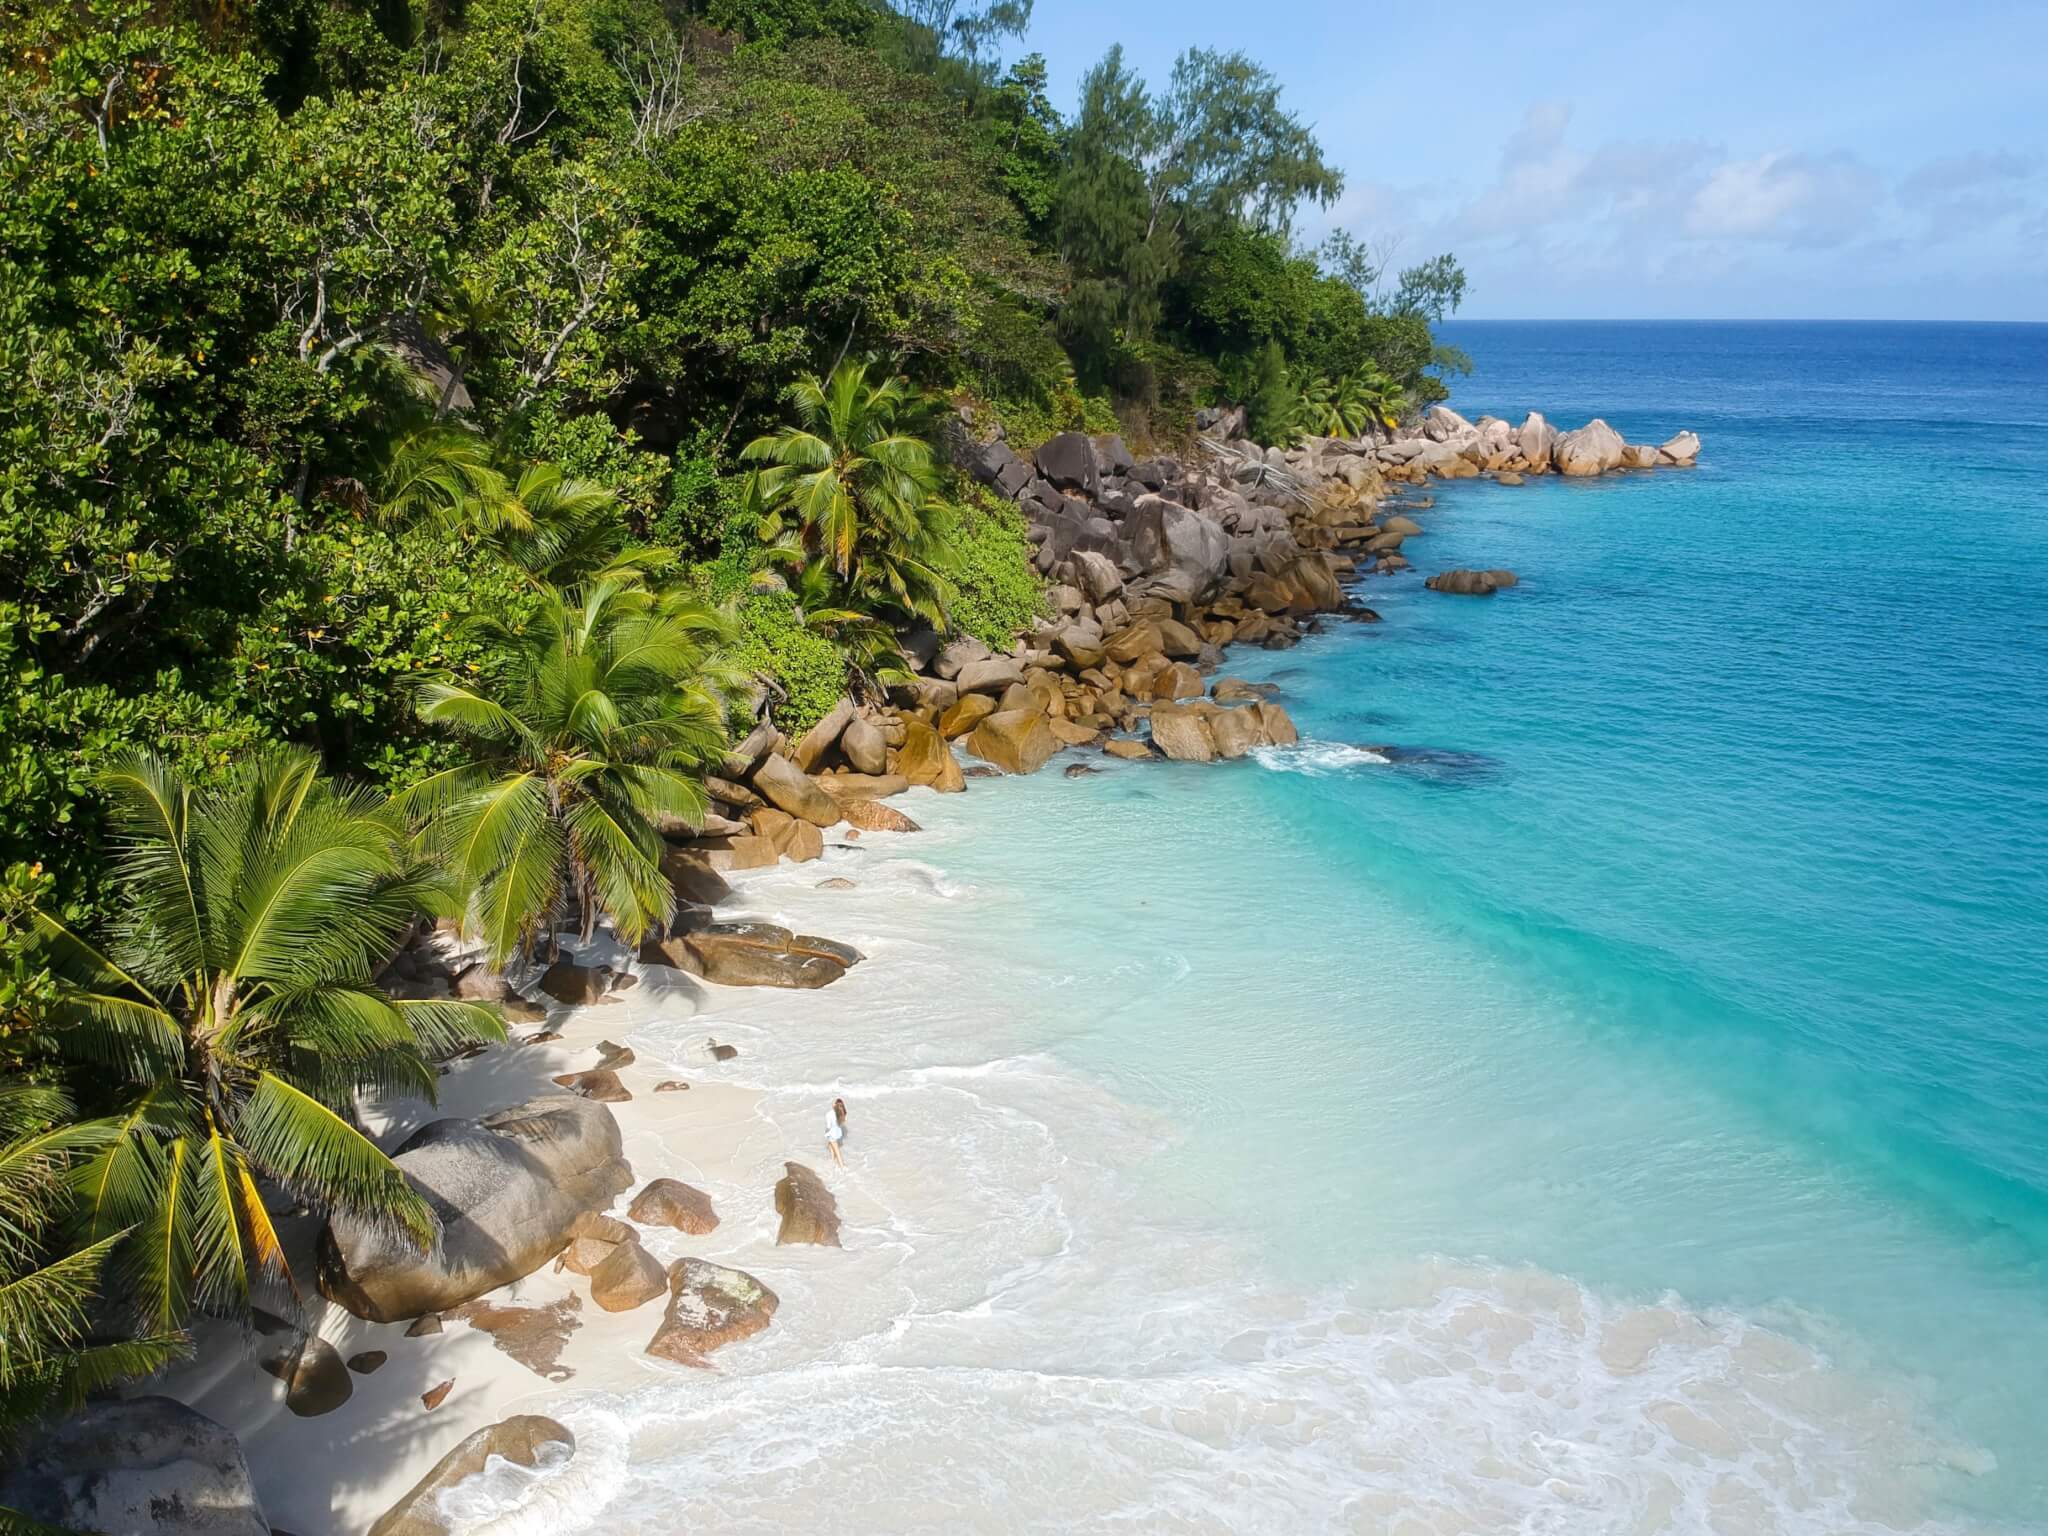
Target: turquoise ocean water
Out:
[1597,1083]
[1693,942]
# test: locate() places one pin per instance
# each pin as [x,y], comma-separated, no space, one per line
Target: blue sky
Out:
[1805,159]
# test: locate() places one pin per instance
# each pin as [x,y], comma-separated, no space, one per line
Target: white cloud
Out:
[1792,199]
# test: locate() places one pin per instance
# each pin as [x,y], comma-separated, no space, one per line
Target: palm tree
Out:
[847,487]
[588,725]
[574,533]
[48,1361]
[229,1019]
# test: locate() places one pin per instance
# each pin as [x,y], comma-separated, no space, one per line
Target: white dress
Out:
[834,1131]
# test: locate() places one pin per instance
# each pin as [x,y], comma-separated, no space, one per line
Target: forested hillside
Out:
[293,292]
[430,432]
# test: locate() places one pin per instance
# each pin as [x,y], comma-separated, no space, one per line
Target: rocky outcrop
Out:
[525,1440]
[709,1307]
[629,1277]
[1592,450]
[672,1203]
[1682,449]
[504,1191]
[1015,740]
[753,955]
[789,789]
[1472,583]
[809,1212]
[873,816]
[147,1465]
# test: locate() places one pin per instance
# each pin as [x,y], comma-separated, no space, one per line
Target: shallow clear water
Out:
[1622,1105]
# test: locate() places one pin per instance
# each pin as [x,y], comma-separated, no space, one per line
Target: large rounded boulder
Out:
[505,1192]
[149,1464]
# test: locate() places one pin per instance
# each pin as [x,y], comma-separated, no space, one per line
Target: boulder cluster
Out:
[1448,446]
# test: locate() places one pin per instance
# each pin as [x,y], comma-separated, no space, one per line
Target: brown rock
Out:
[1235,731]
[788,788]
[709,1307]
[1179,681]
[1015,740]
[630,1278]
[422,1327]
[524,1440]
[864,786]
[367,1362]
[1176,639]
[584,1254]
[534,1336]
[758,955]
[694,879]
[314,1377]
[602,1086]
[611,1055]
[863,745]
[1182,734]
[672,1203]
[671,1085]
[821,738]
[1070,733]
[733,793]
[1469,583]
[437,1394]
[576,985]
[924,758]
[1133,642]
[873,816]
[1276,724]
[808,1211]
[1127,748]
[964,716]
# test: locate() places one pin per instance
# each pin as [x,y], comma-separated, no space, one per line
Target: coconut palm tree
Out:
[846,486]
[49,1360]
[588,725]
[227,1021]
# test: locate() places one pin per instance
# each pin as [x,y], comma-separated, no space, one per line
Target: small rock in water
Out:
[671,1085]
[611,1055]
[981,771]
[836,883]
[367,1361]
[721,1052]
[545,1037]
[672,1203]
[437,1394]
[422,1326]
[1081,770]
[853,834]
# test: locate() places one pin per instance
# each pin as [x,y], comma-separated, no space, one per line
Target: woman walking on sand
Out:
[835,1129]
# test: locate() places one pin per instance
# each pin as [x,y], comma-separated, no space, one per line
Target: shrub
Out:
[806,665]
[999,592]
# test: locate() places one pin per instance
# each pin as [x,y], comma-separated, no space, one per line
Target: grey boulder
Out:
[148,1465]
[505,1190]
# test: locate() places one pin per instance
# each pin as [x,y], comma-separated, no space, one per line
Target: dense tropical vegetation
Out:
[425,431]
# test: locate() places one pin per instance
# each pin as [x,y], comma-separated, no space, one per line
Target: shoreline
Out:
[717,1136]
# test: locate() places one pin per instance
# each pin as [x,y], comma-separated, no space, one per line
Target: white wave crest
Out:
[1319,759]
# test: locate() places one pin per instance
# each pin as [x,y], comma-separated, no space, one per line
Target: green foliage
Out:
[50,1360]
[586,724]
[788,21]
[998,592]
[226,1020]
[807,665]
[849,488]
